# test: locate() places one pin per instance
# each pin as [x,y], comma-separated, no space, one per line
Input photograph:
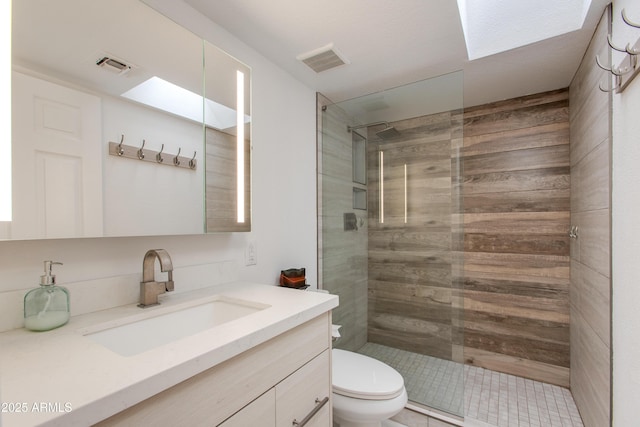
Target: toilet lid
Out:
[362,377]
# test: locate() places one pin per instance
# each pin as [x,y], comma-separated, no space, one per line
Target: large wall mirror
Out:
[124,124]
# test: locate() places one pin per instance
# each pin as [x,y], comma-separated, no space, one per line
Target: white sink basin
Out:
[149,330]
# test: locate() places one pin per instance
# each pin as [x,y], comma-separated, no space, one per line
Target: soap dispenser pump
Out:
[46,307]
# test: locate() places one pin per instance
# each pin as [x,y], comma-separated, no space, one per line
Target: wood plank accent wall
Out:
[515,183]
[411,298]
[590,252]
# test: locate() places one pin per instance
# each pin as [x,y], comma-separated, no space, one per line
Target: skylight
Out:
[494,26]
[166,96]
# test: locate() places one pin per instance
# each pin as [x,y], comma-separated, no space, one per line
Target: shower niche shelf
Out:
[359,159]
[359,198]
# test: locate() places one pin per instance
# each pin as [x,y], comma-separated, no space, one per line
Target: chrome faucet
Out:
[149,288]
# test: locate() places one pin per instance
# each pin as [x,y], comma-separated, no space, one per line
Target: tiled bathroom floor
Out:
[430,381]
[494,398]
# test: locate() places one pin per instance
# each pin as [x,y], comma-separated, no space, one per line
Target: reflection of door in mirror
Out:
[57,175]
[222,190]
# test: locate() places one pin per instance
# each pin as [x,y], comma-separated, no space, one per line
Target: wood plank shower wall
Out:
[515,214]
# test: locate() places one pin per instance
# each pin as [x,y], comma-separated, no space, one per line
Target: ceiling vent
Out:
[322,59]
[114,65]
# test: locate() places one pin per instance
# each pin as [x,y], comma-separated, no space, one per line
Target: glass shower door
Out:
[413,318]
[390,244]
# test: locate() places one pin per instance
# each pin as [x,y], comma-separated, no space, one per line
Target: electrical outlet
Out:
[250,254]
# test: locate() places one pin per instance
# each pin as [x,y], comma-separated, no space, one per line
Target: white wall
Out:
[626,234]
[135,193]
[284,232]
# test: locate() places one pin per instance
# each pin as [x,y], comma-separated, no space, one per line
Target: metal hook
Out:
[192,162]
[176,161]
[140,152]
[159,158]
[600,64]
[612,70]
[633,59]
[120,149]
[631,51]
[615,87]
[626,19]
[620,72]
[610,41]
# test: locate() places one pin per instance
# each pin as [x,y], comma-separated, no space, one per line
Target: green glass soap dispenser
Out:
[46,307]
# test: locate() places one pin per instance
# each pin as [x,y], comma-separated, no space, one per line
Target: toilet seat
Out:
[362,377]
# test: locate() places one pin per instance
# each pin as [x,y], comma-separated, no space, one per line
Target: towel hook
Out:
[600,64]
[626,19]
[192,162]
[613,70]
[620,71]
[176,160]
[630,50]
[159,158]
[615,87]
[633,52]
[614,47]
[120,149]
[140,150]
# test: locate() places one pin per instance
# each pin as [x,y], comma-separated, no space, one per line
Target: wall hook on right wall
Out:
[627,21]
[628,68]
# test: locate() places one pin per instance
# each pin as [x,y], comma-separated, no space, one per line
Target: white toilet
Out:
[366,392]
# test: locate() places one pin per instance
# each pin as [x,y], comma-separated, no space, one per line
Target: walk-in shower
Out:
[389,162]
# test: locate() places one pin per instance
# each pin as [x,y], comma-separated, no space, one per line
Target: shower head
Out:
[388,133]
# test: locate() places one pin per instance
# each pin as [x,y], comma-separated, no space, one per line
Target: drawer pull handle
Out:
[319,405]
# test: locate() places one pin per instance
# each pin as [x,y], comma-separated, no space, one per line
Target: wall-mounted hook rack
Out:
[628,68]
[143,154]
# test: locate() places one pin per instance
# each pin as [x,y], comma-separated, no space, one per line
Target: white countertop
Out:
[60,377]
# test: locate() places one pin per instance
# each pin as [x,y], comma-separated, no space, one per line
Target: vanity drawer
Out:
[306,394]
[260,412]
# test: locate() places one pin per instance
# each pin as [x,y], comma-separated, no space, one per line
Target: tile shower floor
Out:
[494,398]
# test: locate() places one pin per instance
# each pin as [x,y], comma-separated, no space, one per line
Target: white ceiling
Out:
[394,42]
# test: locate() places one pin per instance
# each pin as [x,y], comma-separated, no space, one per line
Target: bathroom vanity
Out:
[269,365]
[272,384]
